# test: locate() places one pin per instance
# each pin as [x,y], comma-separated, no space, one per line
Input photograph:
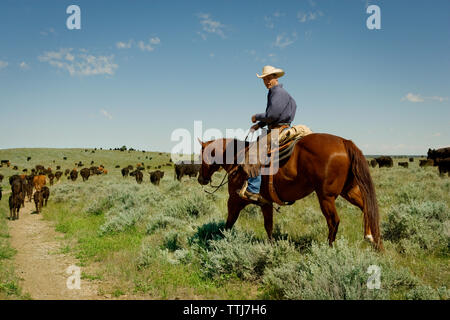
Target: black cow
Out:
[438,153]
[66,172]
[29,187]
[51,177]
[411,159]
[38,200]
[373,163]
[426,163]
[444,166]
[45,194]
[156,176]
[385,161]
[403,164]
[58,175]
[1,178]
[85,173]
[73,175]
[14,207]
[125,172]
[138,175]
[28,158]
[17,197]
[182,169]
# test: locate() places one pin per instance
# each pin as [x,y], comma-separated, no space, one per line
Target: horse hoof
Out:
[369,238]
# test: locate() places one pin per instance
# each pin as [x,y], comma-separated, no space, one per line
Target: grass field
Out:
[166,242]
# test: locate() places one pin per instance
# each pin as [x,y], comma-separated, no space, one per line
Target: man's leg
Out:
[254,184]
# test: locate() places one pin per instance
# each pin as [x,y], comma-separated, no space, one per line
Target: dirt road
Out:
[39,261]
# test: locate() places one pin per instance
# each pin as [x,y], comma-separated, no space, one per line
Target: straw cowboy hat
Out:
[267,70]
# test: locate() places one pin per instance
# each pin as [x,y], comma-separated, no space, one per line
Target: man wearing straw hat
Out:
[280,112]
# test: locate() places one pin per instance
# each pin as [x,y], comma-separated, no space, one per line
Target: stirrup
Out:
[259,200]
[242,191]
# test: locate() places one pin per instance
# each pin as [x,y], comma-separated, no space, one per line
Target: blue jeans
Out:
[254,184]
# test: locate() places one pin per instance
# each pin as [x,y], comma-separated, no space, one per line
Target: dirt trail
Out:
[39,262]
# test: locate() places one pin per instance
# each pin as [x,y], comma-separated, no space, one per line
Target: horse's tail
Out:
[360,170]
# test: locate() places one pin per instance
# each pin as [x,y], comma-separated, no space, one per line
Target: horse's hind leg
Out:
[353,195]
[329,211]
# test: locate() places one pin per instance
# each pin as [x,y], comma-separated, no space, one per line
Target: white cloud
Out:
[282,41]
[81,63]
[308,16]
[210,26]
[440,99]
[149,45]
[3,64]
[48,31]
[155,40]
[106,114]
[124,45]
[24,66]
[270,20]
[411,97]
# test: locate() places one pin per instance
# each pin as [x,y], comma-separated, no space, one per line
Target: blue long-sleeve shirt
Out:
[280,108]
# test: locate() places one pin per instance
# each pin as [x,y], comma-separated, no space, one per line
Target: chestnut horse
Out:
[327,164]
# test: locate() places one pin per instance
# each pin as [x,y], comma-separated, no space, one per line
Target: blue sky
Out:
[137,70]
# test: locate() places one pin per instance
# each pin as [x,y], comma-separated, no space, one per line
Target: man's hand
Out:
[254,128]
[254,118]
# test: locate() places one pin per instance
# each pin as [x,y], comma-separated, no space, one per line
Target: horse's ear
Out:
[201,142]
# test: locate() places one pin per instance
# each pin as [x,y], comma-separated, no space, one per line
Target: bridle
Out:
[223,182]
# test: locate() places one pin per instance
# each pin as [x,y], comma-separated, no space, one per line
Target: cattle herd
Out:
[23,185]
[439,158]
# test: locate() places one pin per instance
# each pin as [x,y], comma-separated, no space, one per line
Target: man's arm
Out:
[275,108]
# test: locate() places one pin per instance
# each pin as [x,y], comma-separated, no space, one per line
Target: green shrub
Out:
[339,273]
[171,241]
[418,225]
[161,221]
[239,254]
[207,232]
[122,221]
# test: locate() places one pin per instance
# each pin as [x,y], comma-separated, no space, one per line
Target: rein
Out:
[222,183]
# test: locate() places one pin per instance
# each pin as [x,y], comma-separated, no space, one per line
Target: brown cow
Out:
[39,182]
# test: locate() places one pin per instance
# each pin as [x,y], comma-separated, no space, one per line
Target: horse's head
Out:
[209,156]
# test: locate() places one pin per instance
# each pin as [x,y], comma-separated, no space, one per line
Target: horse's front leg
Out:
[267,211]
[235,205]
